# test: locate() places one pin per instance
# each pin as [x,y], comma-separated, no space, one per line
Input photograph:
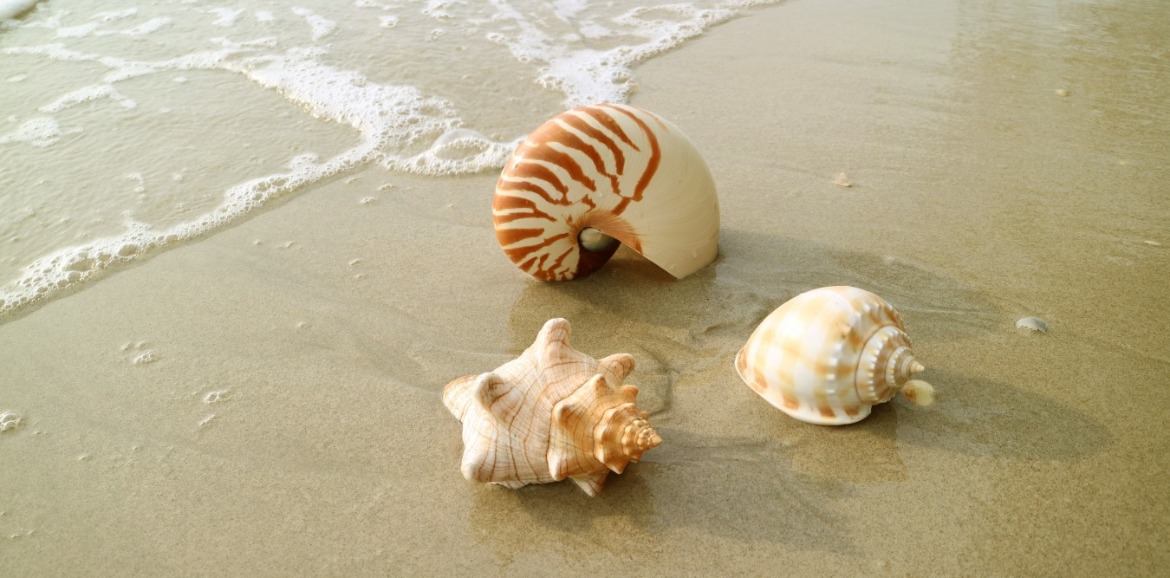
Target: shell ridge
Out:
[570,415]
[619,366]
[590,484]
[457,395]
[493,393]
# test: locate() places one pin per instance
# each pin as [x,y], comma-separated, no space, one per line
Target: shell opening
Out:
[594,240]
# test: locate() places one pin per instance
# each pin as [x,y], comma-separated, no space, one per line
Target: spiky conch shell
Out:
[600,173]
[550,414]
[828,355]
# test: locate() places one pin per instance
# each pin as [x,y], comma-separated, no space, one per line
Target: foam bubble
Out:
[319,26]
[40,131]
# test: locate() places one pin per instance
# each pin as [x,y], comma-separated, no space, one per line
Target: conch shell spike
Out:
[628,393]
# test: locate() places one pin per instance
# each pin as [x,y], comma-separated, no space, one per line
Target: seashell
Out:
[596,176]
[1031,325]
[550,414]
[828,355]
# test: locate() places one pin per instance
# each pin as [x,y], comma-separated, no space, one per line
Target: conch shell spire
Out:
[550,414]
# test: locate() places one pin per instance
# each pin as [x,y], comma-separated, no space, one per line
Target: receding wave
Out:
[381,70]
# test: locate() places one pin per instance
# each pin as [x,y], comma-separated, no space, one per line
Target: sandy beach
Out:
[265,400]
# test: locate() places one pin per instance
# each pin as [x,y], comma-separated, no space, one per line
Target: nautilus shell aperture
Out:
[598,175]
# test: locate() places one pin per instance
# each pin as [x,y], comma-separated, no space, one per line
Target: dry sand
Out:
[1008,160]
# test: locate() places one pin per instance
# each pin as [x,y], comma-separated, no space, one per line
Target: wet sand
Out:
[266,401]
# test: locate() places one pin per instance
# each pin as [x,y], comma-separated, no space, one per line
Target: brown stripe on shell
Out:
[651,165]
[505,209]
[519,253]
[559,135]
[581,125]
[545,173]
[508,185]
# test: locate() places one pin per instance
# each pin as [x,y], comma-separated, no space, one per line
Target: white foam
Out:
[87,94]
[226,17]
[573,46]
[112,15]
[40,131]
[320,27]
[589,75]
[148,27]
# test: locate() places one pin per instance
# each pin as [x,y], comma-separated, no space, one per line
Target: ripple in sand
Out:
[138,353]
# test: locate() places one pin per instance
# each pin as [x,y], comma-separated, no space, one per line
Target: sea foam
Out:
[352,65]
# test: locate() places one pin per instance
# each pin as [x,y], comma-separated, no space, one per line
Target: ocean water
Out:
[131,127]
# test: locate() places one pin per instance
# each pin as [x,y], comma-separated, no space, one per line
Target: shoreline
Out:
[292,398]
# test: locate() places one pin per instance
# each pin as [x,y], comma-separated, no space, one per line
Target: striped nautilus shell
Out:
[550,414]
[598,175]
[827,355]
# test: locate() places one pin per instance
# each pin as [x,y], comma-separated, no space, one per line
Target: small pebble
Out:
[842,180]
[368,200]
[1062,92]
[1031,325]
[1152,243]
